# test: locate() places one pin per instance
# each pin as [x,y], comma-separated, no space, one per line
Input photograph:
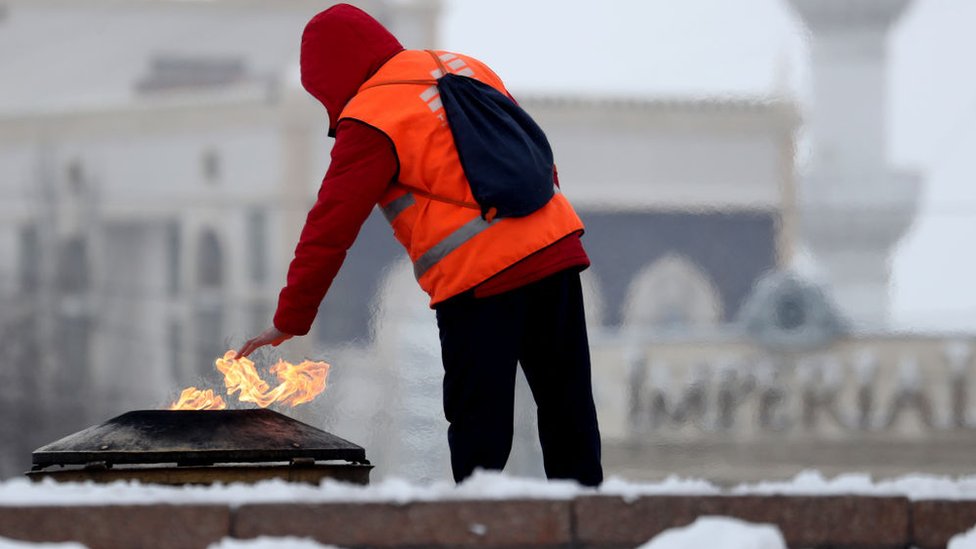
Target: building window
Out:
[210,268]
[210,166]
[72,275]
[30,259]
[208,332]
[208,337]
[73,348]
[74,321]
[257,242]
[75,176]
[174,257]
[170,72]
[174,340]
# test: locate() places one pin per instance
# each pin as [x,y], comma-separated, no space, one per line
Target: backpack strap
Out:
[417,81]
[414,81]
[439,61]
[488,216]
[420,192]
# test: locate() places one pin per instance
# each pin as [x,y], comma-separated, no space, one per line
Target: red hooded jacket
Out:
[341,48]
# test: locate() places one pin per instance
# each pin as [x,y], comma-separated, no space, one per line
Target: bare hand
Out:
[272,336]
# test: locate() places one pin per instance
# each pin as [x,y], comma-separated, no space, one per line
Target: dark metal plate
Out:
[247,473]
[197,437]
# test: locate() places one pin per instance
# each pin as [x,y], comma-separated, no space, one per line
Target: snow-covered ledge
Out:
[488,510]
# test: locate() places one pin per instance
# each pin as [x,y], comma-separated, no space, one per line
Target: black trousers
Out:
[541,327]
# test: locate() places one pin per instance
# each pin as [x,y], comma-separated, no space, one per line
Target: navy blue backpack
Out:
[504,153]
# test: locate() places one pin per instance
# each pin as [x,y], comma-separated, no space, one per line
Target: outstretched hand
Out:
[272,336]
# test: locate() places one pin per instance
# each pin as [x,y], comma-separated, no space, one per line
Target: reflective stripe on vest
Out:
[440,250]
[396,207]
[450,243]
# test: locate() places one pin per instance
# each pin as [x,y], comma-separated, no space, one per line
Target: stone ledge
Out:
[588,521]
[814,521]
[935,522]
[523,523]
[119,526]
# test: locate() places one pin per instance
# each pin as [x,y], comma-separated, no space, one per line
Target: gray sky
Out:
[755,48]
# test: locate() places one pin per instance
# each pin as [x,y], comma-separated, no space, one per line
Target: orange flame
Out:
[196,399]
[297,384]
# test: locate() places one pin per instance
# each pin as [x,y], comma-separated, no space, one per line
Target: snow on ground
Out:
[966,540]
[269,543]
[483,485]
[915,487]
[480,486]
[724,532]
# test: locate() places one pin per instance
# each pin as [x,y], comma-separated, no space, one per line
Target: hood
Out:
[341,48]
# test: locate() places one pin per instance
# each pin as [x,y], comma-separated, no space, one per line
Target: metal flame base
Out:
[201,447]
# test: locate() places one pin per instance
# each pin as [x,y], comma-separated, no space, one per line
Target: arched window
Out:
[672,292]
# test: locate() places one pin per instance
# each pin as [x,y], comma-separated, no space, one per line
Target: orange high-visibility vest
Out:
[431,208]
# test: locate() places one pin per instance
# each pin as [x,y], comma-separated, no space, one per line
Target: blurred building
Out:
[809,374]
[157,159]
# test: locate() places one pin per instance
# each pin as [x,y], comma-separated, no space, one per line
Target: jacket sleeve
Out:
[363,165]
